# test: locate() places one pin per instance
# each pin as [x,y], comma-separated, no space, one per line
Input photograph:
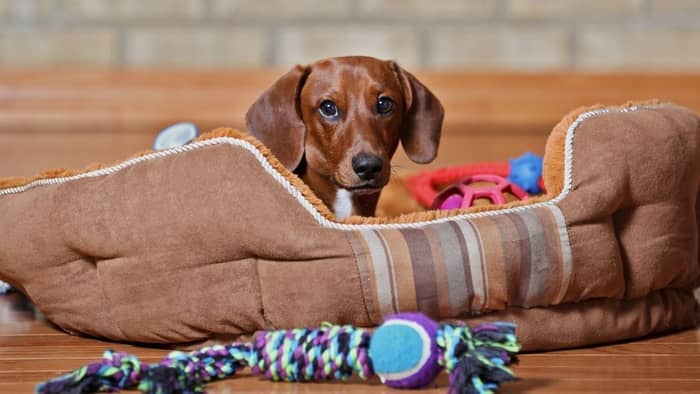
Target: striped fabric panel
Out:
[466,266]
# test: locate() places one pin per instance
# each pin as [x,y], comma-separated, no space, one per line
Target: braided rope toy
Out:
[408,351]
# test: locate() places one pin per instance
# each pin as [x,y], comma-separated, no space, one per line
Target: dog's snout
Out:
[367,166]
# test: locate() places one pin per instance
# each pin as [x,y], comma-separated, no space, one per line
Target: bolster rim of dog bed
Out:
[217,238]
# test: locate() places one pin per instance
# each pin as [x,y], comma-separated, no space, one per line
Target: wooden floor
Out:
[31,350]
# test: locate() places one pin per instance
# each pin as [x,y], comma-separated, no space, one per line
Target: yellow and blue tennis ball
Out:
[404,351]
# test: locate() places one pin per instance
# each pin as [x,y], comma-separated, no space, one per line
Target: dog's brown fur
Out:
[286,118]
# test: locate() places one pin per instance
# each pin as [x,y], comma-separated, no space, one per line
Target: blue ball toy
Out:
[525,171]
[404,351]
[175,135]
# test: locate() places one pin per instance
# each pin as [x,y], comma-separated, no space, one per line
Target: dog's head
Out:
[345,116]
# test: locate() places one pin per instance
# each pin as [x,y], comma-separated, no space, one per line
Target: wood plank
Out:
[78,352]
[249,384]
[56,339]
[24,155]
[144,101]
[603,360]
[555,385]
[545,386]
[646,348]
[57,366]
[604,372]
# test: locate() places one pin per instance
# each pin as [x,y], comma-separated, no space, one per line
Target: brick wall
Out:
[442,34]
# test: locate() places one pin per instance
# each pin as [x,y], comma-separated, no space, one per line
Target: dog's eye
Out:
[385,105]
[328,109]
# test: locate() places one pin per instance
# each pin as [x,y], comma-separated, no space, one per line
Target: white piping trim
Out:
[306,204]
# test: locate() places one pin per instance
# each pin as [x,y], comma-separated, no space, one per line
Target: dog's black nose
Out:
[366,166]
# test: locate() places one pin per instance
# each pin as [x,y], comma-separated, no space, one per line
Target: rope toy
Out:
[408,351]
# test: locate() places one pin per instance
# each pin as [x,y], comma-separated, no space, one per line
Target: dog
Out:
[337,123]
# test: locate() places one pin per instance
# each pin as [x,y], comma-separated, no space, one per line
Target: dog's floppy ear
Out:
[275,118]
[423,114]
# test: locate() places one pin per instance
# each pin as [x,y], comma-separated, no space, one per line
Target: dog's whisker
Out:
[396,169]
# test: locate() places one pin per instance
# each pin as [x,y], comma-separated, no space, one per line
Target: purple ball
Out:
[404,351]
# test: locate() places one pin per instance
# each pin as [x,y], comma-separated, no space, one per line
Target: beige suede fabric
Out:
[218,239]
[639,223]
[167,251]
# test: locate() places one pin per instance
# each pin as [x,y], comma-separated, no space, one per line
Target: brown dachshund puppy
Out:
[337,123]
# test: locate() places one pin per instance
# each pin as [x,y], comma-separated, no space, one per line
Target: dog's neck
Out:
[342,202]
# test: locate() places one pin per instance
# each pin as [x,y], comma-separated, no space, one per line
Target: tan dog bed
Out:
[217,238]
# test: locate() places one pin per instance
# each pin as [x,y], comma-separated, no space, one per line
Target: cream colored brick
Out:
[613,49]
[133,9]
[195,47]
[304,45]
[574,8]
[25,9]
[39,48]
[429,8]
[680,7]
[501,48]
[279,9]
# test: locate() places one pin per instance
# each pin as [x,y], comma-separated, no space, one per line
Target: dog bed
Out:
[217,238]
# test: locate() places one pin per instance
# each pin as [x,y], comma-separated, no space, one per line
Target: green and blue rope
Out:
[476,360]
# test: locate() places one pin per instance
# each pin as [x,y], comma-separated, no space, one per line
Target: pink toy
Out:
[463,195]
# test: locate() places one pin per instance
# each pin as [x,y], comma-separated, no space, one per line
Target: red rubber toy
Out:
[463,194]
[426,186]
